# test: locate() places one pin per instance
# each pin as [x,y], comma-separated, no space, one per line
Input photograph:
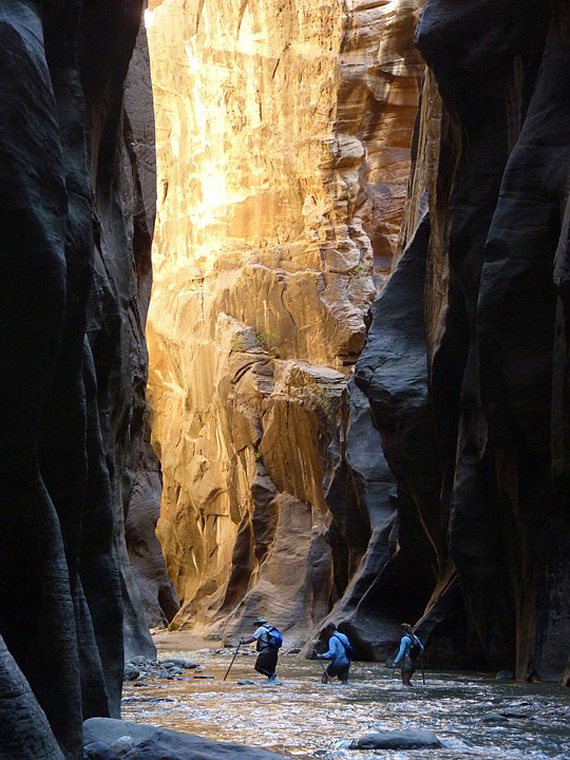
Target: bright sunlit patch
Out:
[148,18]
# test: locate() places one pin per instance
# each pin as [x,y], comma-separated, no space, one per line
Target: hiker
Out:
[410,651]
[267,646]
[338,653]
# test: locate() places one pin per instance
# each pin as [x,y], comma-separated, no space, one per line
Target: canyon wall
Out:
[466,364]
[77,191]
[283,135]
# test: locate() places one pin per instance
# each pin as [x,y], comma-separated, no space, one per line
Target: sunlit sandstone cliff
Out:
[283,132]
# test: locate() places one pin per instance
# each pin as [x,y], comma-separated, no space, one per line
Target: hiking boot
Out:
[272,677]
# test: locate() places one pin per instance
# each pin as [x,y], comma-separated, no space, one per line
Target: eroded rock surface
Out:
[76,215]
[479,444]
[283,134]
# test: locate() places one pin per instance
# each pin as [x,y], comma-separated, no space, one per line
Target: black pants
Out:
[266,661]
[338,670]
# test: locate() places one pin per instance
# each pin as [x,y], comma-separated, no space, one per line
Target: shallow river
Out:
[303,718]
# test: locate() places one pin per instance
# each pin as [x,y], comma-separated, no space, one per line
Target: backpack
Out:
[348,648]
[275,636]
[416,648]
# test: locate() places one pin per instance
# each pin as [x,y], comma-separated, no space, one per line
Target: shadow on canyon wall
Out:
[77,195]
[465,521]
[466,362]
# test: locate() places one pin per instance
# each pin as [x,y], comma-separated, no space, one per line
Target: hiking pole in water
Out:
[326,675]
[232,662]
[422,667]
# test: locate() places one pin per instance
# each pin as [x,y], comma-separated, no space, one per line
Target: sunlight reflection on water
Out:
[302,717]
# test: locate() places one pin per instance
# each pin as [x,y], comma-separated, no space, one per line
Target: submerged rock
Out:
[494,717]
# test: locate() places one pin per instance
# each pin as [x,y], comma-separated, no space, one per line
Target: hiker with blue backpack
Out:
[269,641]
[339,654]
[409,653]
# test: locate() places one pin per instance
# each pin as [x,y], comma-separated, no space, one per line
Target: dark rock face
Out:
[468,384]
[24,730]
[76,213]
[158,596]
[153,743]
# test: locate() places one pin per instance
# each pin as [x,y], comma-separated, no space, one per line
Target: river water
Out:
[474,716]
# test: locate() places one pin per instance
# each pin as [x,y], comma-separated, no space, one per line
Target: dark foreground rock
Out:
[103,736]
[76,216]
[403,739]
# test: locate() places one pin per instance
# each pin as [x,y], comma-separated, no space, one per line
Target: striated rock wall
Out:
[283,133]
[76,218]
[469,389]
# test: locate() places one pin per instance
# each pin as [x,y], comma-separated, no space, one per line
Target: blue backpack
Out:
[275,636]
[348,648]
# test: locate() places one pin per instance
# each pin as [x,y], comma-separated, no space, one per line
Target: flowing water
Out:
[474,716]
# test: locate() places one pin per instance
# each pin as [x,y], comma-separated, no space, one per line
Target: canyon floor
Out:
[473,715]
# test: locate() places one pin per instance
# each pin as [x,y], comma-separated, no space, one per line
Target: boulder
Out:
[153,743]
[413,738]
[99,751]
[178,662]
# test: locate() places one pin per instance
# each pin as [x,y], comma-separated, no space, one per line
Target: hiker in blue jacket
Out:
[410,651]
[267,658]
[338,653]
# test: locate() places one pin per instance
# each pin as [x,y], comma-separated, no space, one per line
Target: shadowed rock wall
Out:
[76,217]
[469,384]
[283,134]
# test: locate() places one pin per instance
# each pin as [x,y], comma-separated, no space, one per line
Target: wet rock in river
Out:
[178,662]
[504,675]
[130,673]
[494,717]
[403,739]
[140,668]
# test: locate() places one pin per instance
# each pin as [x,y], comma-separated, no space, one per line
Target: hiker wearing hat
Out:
[410,651]
[338,653]
[268,640]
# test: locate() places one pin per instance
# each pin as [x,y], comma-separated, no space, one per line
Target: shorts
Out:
[409,665]
[341,671]
[266,661]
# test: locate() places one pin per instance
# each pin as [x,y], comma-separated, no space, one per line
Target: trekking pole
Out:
[232,662]
[324,670]
[423,671]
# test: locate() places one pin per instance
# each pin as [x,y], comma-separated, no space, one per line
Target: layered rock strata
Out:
[469,388]
[283,134]
[76,212]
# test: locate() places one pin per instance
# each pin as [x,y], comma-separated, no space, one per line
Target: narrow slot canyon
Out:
[283,138]
[283,334]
